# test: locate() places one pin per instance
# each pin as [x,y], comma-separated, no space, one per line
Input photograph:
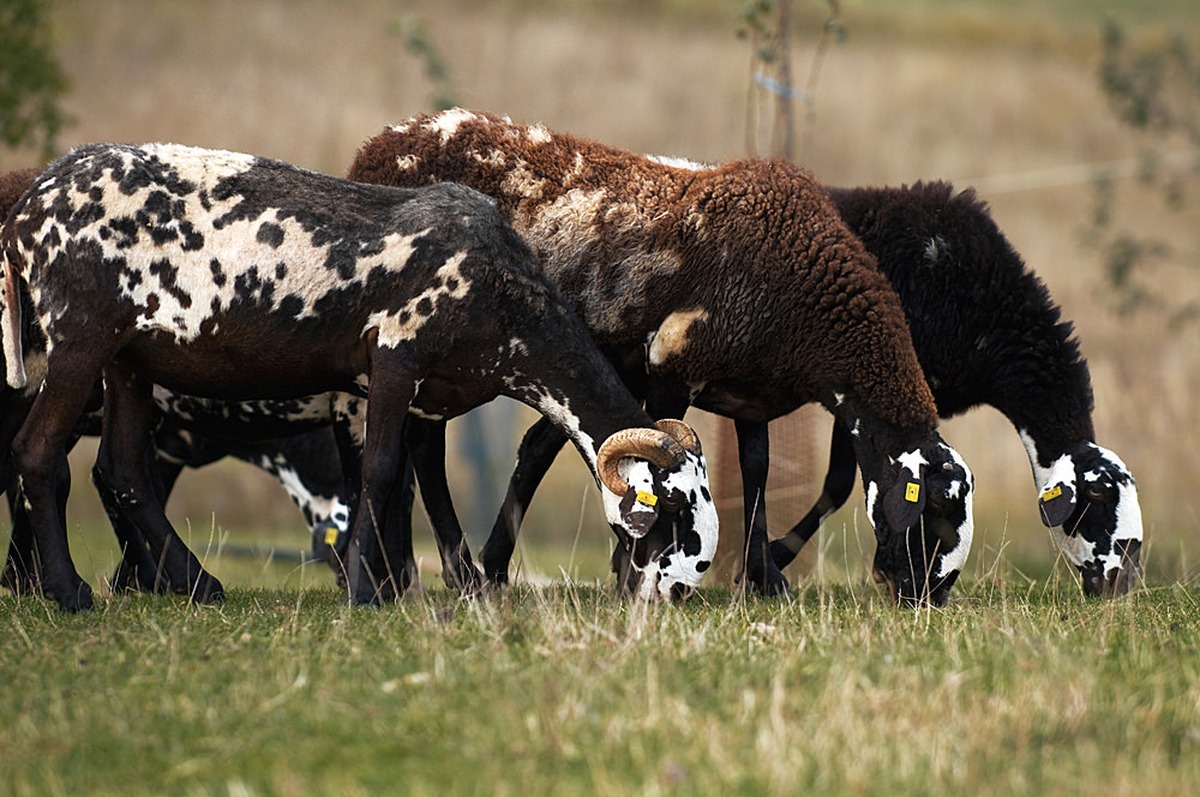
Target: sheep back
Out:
[788,305]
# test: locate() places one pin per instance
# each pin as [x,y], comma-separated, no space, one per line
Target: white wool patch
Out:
[446,123]
[566,226]
[912,461]
[494,158]
[198,283]
[538,134]
[403,325]
[519,181]
[679,163]
[216,164]
[954,559]
[14,360]
[671,339]
[872,499]
[1129,510]
[407,163]
[1041,475]
[560,413]
[318,506]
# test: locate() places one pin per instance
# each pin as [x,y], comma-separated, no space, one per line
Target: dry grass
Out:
[940,89]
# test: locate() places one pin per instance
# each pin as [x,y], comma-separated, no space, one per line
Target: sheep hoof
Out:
[18,579]
[74,599]
[207,591]
[771,584]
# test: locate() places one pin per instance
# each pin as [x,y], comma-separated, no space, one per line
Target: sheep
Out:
[224,275]
[306,464]
[191,433]
[735,288]
[987,332]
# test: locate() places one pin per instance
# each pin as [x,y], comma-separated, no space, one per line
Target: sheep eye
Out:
[1096,493]
[672,501]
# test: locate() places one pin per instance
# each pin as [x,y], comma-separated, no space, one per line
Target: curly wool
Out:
[795,309]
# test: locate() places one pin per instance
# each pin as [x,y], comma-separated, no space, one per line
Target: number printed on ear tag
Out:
[1052,493]
[912,493]
[649,499]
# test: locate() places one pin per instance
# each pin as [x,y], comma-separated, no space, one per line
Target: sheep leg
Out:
[348,433]
[20,568]
[753,458]
[536,454]
[39,451]
[393,386]
[398,543]
[839,481]
[138,571]
[427,441]
[123,476]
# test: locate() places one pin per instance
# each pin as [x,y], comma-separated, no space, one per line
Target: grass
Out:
[567,690]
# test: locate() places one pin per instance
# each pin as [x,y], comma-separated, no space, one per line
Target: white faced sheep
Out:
[736,288]
[987,332]
[224,275]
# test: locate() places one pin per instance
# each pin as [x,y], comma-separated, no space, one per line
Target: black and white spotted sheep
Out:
[191,433]
[987,332]
[224,275]
[736,288]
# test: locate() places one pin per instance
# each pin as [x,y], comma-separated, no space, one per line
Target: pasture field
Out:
[1017,688]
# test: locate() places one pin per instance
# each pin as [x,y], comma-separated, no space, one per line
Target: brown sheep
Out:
[736,288]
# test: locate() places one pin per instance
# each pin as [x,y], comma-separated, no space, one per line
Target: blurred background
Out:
[1077,121]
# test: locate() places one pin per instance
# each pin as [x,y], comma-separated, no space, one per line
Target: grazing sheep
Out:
[736,288]
[228,276]
[190,433]
[987,332]
[306,464]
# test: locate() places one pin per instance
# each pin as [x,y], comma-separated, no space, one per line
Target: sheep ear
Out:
[904,503]
[639,511]
[1056,504]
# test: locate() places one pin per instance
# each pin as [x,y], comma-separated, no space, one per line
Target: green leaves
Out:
[31,80]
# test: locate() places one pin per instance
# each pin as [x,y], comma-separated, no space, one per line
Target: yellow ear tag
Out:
[649,499]
[1052,493]
[331,535]
[912,492]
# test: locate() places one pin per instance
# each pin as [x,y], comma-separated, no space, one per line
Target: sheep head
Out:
[1089,501]
[659,504]
[920,504]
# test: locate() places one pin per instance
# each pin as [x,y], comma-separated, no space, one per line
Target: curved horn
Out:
[684,434]
[653,445]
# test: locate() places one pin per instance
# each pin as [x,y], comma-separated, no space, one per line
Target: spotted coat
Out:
[228,276]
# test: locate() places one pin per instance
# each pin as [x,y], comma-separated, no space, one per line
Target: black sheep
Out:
[987,332]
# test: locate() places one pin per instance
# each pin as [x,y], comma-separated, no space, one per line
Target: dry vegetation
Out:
[970,91]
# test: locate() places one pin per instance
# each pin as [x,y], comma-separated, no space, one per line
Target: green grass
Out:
[567,690]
